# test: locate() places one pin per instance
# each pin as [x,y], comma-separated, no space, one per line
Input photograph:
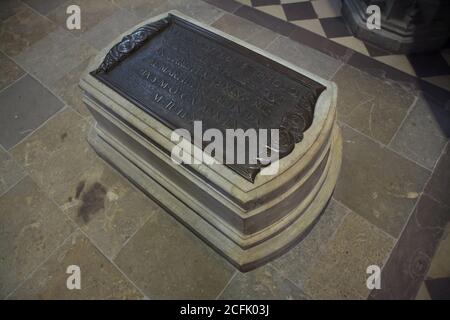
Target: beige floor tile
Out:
[46,6]
[167,261]
[423,293]
[10,171]
[10,71]
[352,43]
[424,133]
[68,90]
[312,25]
[377,183]
[246,2]
[57,155]
[400,62]
[341,270]
[261,284]
[366,103]
[292,1]
[304,57]
[22,30]
[92,13]
[196,9]
[245,30]
[110,28]
[31,228]
[327,8]
[141,8]
[275,10]
[106,206]
[99,278]
[54,56]
[298,263]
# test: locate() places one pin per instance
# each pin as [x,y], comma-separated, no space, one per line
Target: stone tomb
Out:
[170,71]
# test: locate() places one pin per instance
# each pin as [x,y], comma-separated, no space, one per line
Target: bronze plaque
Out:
[180,73]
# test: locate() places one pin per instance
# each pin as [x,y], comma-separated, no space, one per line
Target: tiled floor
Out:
[324,18]
[61,205]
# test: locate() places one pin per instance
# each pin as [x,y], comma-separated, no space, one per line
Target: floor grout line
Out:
[115,265]
[408,112]
[235,273]
[337,70]
[15,81]
[384,146]
[364,218]
[412,213]
[282,275]
[32,272]
[29,134]
[330,238]
[227,284]
[14,184]
[80,229]
[278,36]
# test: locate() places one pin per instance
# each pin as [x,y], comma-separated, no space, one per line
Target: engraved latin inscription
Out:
[181,74]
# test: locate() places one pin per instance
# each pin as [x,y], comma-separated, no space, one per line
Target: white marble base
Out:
[249,223]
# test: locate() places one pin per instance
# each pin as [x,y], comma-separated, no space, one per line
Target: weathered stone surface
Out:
[245,30]
[18,120]
[440,265]
[142,8]
[10,171]
[108,29]
[57,155]
[106,206]
[100,279]
[305,57]
[298,263]
[10,71]
[9,7]
[340,272]
[68,89]
[93,12]
[23,29]
[45,7]
[31,228]
[424,133]
[377,183]
[54,56]
[262,283]
[409,261]
[196,9]
[167,261]
[439,185]
[366,103]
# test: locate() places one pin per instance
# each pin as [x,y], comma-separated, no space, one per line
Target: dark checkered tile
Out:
[335,27]
[429,64]
[431,67]
[299,11]
[439,289]
[259,3]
